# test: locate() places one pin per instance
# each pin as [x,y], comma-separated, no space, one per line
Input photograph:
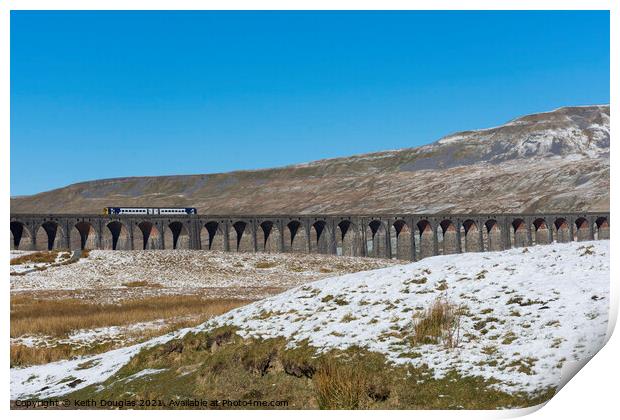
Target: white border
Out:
[592,394]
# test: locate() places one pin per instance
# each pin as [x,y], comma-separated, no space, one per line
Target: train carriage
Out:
[150,210]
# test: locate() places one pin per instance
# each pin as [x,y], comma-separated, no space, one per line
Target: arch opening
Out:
[320,237]
[268,237]
[347,239]
[493,235]
[541,232]
[400,237]
[471,240]
[295,239]
[241,237]
[176,236]
[85,237]
[447,238]
[50,235]
[602,228]
[582,233]
[212,237]
[376,240]
[147,235]
[425,246]
[115,237]
[562,230]
[518,233]
[21,238]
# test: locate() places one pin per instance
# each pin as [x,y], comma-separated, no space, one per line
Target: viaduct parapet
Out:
[402,236]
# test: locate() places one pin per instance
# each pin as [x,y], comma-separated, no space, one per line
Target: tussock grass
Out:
[352,380]
[439,324]
[339,387]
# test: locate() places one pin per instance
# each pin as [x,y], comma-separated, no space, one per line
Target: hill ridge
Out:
[564,153]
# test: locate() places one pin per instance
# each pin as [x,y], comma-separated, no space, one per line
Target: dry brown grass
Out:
[36,257]
[23,355]
[340,387]
[440,324]
[59,317]
[265,264]
[141,283]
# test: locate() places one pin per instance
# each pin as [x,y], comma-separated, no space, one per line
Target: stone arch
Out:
[470,236]
[562,230]
[425,246]
[540,232]
[176,236]
[582,231]
[212,236]
[84,237]
[400,237]
[115,236]
[268,237]
[240,237]
[518,233]
[21,237]
[147,236]
[376,239]
[320,237]
[295,239]
[347,239]
[493,235]
[50,235]
[446,237]
[602,228]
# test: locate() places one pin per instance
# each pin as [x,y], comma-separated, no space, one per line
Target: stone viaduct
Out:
[402,236]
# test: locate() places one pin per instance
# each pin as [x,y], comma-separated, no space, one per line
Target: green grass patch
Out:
[221,365]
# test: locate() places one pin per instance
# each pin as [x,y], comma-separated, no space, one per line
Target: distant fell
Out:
[556,160]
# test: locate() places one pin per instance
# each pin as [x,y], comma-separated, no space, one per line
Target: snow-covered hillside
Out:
[528,312]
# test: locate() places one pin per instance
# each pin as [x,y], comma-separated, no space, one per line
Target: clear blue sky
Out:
[112,94]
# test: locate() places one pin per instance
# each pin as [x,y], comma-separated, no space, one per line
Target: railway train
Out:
[150,210]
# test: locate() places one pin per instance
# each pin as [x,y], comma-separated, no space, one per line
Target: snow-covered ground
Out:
[117,335]
[103,274]
[59,378]
[19,253]
[529,311]
[28,266]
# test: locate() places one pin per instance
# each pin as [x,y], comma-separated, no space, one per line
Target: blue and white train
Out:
[150,210]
